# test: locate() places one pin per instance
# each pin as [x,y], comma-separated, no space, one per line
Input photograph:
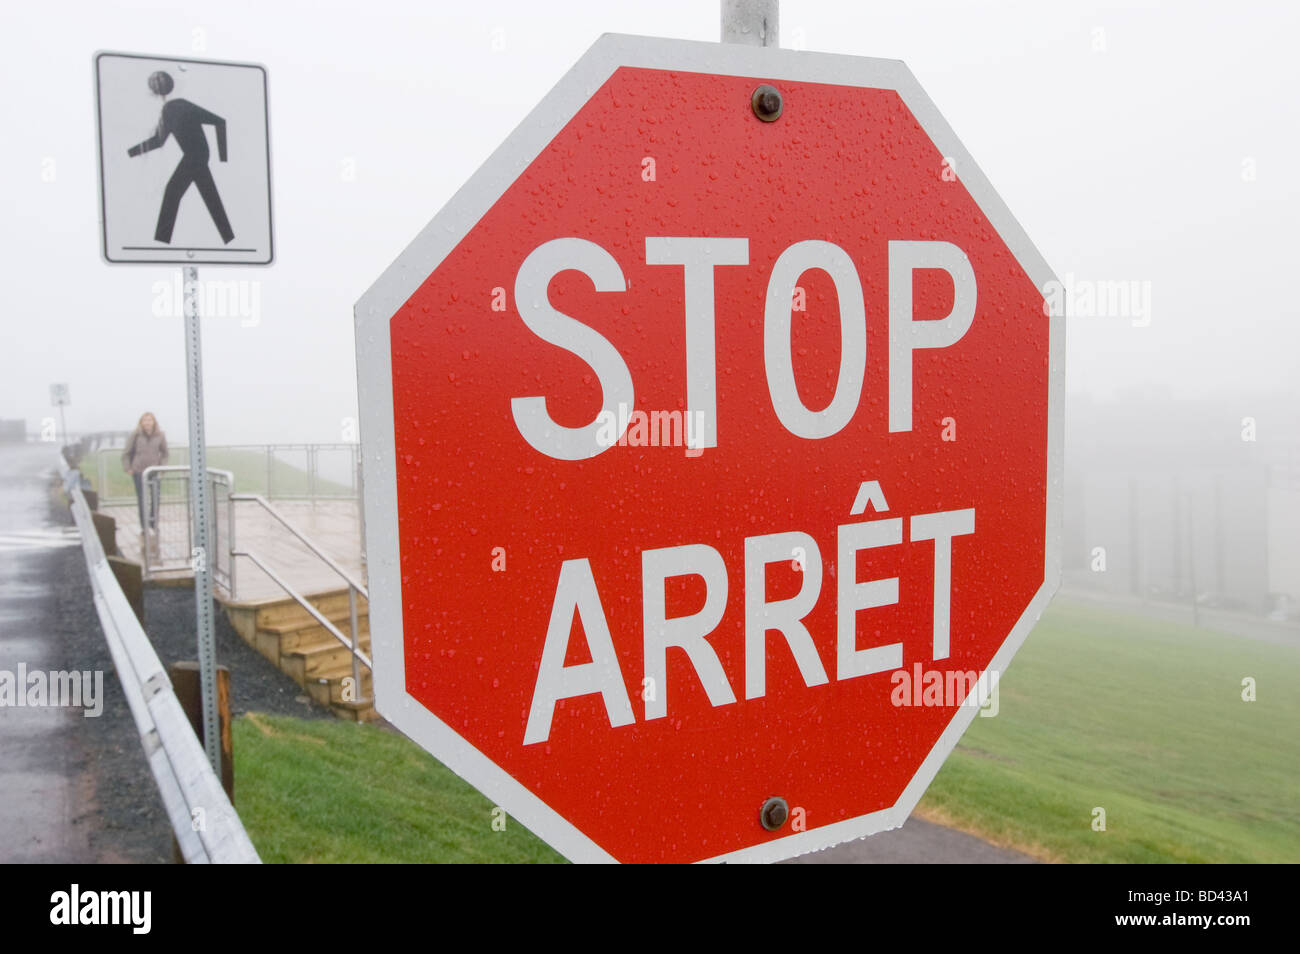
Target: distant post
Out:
[60,398]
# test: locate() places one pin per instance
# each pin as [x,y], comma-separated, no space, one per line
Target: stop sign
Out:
[712,440]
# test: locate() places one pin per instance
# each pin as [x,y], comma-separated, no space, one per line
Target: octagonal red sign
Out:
[710,459]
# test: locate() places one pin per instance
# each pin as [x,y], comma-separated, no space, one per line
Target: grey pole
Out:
[751,22]
[201,522]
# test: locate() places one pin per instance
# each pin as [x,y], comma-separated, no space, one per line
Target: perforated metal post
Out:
[201,522]
[231,543]
[356,643]
[751,22]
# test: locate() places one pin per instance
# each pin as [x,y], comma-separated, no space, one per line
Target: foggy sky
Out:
[1143,142]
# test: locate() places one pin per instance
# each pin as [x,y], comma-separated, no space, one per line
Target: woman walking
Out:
[146,447]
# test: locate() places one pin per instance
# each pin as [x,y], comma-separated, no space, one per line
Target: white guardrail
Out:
[206,825]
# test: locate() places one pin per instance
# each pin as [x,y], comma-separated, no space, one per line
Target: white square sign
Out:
[184,161]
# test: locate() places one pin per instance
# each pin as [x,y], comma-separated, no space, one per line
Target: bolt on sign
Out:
[718,403]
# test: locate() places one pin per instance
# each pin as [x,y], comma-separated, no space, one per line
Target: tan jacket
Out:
[144,450]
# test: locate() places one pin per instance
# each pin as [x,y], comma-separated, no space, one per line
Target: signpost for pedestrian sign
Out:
[712,440]
[185,179]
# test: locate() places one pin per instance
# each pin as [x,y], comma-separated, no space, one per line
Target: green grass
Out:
[247,466]
[1143,719]
[1100,709]
[332,791]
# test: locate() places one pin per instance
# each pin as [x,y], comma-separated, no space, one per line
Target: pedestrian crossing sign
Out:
[184,161]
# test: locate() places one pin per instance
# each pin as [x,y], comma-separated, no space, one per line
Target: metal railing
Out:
[353,645]
[169,540]
[355,588]
[276,471]
[92,443]
[179,765]
[168,546]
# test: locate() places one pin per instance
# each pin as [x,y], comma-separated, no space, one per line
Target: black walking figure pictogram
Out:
[185,121]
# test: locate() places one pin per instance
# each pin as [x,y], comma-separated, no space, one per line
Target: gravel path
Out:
[255,685]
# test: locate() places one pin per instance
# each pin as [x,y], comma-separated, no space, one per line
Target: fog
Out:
[1147,149]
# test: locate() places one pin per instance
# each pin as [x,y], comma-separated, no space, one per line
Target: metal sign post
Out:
[751,22]
[201,517]
[155,114]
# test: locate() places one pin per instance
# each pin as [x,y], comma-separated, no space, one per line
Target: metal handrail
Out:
[180,767]
[354,587]
[325,558]
[350,644]
[159,468]
[151,477]
[310,455]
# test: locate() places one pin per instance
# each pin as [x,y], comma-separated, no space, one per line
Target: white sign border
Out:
[99,166]
[412,267]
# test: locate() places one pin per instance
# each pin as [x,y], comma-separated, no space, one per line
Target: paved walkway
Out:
[333,525]
[917,842]
[43,785]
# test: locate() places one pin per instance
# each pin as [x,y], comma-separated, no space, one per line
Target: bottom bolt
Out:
[773,813]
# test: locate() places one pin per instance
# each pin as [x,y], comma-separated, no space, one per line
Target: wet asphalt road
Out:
[77,789]
[917,842]
[44,789]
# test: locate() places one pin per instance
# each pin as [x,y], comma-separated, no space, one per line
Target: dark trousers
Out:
[140,491]
[196,173]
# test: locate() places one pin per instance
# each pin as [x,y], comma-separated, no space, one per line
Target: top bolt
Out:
[767,103]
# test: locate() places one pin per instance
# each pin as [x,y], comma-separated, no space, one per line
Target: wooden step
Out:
[276,646]
[329,691]
[303,665]
[355,711]
[287,612]
[339,617]
[293,640]
[328,687]
[309,637]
